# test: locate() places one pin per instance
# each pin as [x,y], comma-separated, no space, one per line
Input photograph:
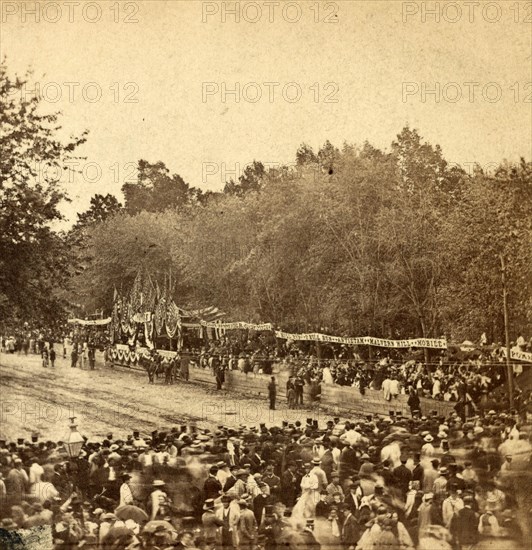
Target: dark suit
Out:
[323,509]
[352,502]
[289,488]
[212,488]
[464,526]
[229,482]
[327,463]
[350,531]
[417,474]
[403,476]
[389,478]
[259,502]
[348,463]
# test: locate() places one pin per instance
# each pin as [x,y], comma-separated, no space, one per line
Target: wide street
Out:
[35,399]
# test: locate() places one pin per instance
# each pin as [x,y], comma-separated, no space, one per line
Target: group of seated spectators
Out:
[465,378]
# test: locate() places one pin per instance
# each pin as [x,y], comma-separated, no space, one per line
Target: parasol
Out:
[129,511]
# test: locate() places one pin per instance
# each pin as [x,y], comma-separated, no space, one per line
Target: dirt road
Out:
[35,399]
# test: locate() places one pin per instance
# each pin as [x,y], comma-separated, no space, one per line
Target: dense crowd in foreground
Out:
[427,483]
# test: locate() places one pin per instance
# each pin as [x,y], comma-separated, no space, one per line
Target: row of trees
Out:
[357,242]
[353,240]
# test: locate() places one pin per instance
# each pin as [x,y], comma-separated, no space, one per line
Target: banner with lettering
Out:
[519,355]
[238,325]
[434,343]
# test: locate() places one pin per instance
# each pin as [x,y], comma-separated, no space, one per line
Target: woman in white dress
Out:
[310,495]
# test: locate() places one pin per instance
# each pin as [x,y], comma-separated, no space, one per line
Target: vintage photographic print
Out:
[265,275]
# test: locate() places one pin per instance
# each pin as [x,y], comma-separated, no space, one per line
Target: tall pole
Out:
[509,370]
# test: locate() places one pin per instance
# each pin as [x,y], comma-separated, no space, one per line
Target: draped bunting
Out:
[173,319]
[123,354]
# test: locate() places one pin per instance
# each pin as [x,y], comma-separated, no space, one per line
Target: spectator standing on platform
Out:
[74,356]
[414,402]
[298,384]
[272,392]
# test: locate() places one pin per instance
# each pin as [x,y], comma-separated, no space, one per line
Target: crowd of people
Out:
[367,484]
[467,379]
[469,382]
[26,339]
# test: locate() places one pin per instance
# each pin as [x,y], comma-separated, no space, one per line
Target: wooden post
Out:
[509,370]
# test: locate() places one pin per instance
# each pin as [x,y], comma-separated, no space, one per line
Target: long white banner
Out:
[436,343]
[238,325]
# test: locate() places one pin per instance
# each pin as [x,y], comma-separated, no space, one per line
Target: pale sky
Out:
[367,61]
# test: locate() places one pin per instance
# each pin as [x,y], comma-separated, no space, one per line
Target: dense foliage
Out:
[352,240]
[355,241]
[33,258]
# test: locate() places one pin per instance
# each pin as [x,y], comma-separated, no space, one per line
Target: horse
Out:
[170,370]
[150,365]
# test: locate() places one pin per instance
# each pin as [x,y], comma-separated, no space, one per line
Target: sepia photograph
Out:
[265,275]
